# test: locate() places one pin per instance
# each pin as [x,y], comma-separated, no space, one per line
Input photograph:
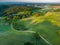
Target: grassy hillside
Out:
[29,26]
[48,26]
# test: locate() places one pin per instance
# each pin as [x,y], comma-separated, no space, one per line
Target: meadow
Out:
[21,25]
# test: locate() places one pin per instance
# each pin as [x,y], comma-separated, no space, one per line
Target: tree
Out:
[19,25]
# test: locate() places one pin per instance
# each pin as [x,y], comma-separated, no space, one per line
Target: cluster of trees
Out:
[19,25]
[19,12]
[3,8]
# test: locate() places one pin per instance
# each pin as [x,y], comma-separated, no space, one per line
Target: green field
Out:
[9,36]
[21,25]
[46,29]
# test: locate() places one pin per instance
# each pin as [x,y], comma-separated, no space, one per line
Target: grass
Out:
[46,28]
[8,36]
[48,31]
